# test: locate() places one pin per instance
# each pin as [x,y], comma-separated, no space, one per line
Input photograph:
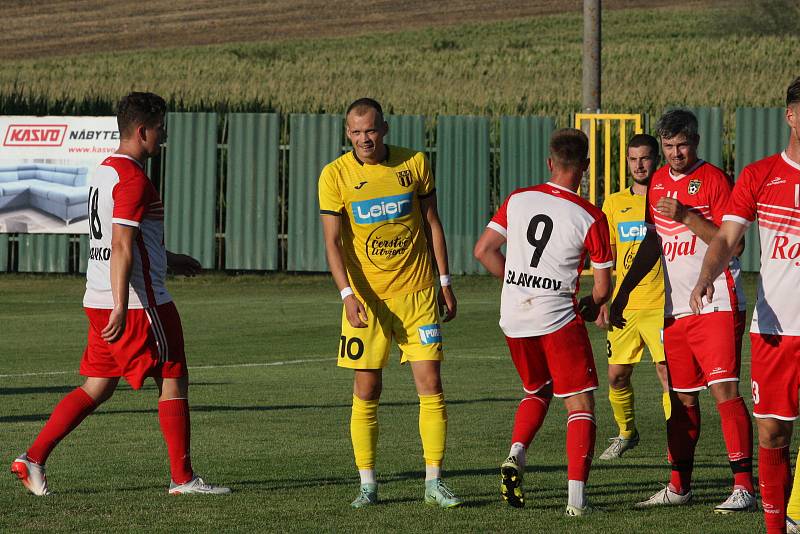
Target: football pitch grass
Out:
[270,416]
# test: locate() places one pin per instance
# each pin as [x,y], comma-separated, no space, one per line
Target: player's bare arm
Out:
[646,257]
[590,305]
[183,264]
[122,238]
[725,243]
[487,252]
[331,231]
[438,245]
[602,316]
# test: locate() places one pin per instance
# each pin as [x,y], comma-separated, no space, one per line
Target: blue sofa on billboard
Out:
[58,190]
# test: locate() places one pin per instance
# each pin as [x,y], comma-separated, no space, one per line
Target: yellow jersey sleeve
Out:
[426,184]
[330,197]
[608,209]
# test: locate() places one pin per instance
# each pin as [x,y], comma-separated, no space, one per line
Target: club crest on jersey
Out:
[404,177]
[694,186]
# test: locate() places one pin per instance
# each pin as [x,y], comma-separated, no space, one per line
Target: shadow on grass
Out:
[205,408]
[27,390]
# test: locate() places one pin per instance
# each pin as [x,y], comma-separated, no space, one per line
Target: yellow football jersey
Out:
[625,213]
[383,238]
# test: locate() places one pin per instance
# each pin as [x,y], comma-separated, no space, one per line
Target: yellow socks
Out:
[622,406]
[432,428]
[793,509]
[364,432]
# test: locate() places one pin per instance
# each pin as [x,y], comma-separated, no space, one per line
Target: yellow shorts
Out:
[411,319]
[643,327]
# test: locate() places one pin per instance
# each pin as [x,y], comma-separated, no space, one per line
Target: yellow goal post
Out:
[607,120]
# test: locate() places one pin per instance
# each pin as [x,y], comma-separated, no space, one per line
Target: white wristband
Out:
[346,292]
[444,280]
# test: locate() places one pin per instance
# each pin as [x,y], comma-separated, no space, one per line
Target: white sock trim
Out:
[367,476]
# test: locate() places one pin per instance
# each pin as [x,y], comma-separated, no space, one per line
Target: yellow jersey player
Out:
[645,311]
[382,234]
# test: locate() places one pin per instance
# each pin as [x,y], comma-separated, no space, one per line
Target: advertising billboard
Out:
[45,166]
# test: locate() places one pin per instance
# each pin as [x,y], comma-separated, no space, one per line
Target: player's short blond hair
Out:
[569,148]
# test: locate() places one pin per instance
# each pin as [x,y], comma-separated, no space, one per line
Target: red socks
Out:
[775,481]
[581,432]
[683,431]
[529,418]
[173,414]
[737,429]
[67,415]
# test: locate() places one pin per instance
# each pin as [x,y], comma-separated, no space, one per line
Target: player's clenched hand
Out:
[355,312]
[447,303]
[588,309]
[705,289]
[602,318]
[615,317]
[672,208]
[115,326]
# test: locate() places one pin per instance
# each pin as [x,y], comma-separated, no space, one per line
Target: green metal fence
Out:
[315,141]
[251,193]
[523,152]
[462,185]
[190,191]
[242,195]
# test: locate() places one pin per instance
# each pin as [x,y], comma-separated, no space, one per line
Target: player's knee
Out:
[580,402]
[724,391]
[772,433]
[618,381]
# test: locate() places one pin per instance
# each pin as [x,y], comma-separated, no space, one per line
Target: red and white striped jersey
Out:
[549,230]
[770,190]
[121,193]
[705,189]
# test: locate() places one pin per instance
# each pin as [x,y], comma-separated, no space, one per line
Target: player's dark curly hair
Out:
[676,122]
[793,92]
[644,140]
[361,105]
[569,148]
[137,109]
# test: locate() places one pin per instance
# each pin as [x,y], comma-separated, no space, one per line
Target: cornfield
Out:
[694,56]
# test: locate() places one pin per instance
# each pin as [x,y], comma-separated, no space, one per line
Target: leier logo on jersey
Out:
[631,231]
[382,209]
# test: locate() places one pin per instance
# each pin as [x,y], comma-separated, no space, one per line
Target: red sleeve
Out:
[131,197]
[648,211]
[742,204]
[499,222]
[598,244]
[719,197]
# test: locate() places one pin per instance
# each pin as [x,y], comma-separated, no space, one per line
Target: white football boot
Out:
[31,475]
[197,485]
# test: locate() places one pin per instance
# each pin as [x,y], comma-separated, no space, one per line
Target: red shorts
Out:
[151,345]
[563,358]
[702,350]
[775,375]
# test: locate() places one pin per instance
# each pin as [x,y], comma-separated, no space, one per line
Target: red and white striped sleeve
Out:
[132,198]
[598,244]
[499,222]
[742,205]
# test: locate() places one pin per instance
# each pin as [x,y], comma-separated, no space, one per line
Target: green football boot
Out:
[437,493]
[367,497]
